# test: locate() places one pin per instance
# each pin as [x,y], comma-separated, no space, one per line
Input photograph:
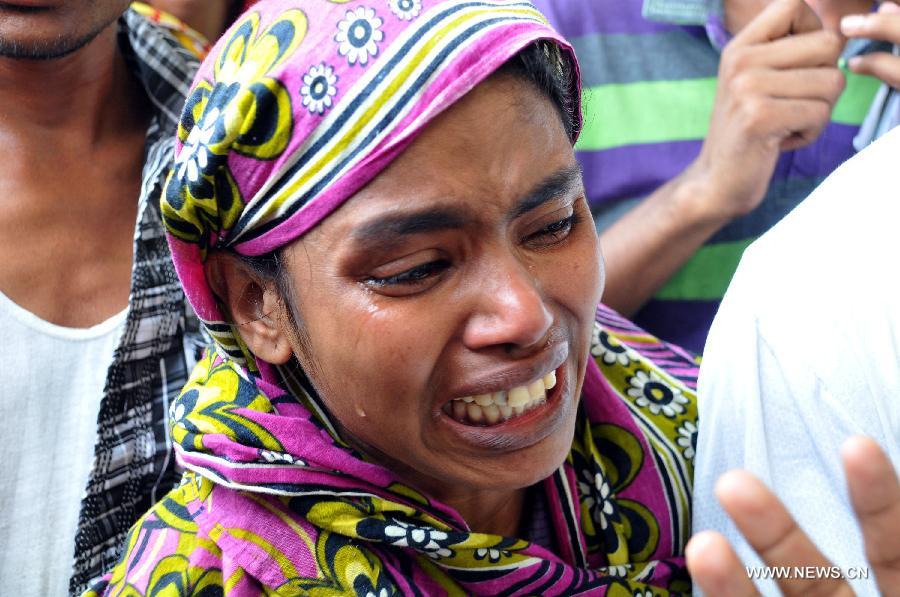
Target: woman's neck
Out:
[493,512]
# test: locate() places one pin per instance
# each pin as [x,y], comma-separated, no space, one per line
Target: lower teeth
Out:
[500,406]
[485,416]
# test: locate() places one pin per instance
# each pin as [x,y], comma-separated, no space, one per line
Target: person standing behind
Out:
[97,335]
[209,17]
[805,353]
[703,128]
[186,35]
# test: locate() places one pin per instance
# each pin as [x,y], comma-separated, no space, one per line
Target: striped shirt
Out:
[133,461]
[649,87]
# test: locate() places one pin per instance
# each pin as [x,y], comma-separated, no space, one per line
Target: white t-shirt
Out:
[52,381]
[805,352]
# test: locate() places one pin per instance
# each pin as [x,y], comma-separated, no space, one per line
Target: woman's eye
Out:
[553,233]
[411,278]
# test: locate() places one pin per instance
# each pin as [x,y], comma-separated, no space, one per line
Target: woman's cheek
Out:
[576,279]
[387,351]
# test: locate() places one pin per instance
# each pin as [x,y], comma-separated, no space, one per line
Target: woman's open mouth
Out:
[499,407]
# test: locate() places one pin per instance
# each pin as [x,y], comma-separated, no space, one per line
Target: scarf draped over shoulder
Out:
[273,503]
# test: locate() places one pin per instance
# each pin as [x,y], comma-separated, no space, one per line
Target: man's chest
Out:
[66,253]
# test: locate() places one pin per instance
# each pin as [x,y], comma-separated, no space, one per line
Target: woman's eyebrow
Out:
[391,226]
[557,184]
[405,224]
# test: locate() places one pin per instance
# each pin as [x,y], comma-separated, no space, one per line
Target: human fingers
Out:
[880,65]
[772,532]
[882,25]
[798,122]
[875,494]
[715,568]
[817,48]
[776,123]
[822,83]
[777,20]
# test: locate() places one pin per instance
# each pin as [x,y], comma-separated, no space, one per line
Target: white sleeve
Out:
[805,352]
[762,408]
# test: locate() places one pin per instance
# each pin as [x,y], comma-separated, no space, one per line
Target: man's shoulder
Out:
[163,64]
[854,210]
[155,45]
[180,34]
[818,283]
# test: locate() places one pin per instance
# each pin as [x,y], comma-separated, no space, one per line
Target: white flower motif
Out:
[382,593]
[609,350]
[437,554]
[601,508]
[179,413]
[399,532]
[358,35]
[427,540]
[318,88]
[280,457]
[637,383]
[491,554]
[620,571]
[652,393]
[406,10]
[687,439]
[194,155]
[643,593]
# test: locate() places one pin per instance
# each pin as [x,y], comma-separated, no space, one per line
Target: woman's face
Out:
[440,302]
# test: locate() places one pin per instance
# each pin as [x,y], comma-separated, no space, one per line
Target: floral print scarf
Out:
[297,107]
[274,503]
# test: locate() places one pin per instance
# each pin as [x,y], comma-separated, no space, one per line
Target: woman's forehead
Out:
[493,150]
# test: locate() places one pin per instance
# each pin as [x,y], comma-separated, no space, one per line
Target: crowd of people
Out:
[449,297]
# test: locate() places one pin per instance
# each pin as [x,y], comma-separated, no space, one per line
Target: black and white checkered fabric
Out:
[133,461]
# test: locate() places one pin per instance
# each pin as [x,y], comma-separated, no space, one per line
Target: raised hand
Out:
[770,530]
[883,25]
[778,83]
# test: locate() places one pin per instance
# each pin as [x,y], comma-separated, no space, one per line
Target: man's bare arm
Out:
[778,83]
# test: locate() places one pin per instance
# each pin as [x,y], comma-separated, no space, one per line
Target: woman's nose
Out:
[510,310]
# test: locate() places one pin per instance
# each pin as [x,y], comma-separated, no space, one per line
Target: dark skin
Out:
[778,83]
[770,530]
[481,296]
[506,293]
[883,25]
[72,131]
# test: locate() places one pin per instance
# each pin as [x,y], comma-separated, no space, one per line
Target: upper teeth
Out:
[499,406]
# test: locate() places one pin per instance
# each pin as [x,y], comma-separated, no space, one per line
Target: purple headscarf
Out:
[303,103]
